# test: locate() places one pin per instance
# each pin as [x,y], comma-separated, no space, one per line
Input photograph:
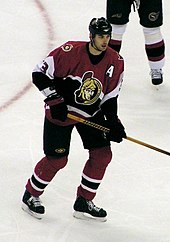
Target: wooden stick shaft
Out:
[148,145]
[102,128]
[84,121]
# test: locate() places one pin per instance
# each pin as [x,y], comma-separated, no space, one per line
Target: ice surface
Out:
[136,188]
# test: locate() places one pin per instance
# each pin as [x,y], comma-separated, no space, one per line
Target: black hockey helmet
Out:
[100,26]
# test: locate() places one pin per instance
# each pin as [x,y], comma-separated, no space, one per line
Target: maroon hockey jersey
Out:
[85,86]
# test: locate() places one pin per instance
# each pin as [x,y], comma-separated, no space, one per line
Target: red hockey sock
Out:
[44,172]
[94,171]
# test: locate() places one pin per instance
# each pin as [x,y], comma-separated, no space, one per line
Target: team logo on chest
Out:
[89,90]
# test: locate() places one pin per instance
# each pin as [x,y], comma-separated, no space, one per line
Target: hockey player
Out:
[82,78]
[150,14]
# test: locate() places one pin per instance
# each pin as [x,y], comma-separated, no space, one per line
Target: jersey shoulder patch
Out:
[66,47]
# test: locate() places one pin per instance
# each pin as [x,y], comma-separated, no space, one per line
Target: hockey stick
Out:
[102,128]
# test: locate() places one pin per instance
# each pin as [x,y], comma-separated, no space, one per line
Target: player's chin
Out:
[104,47]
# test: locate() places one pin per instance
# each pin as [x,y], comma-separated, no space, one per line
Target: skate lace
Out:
[35,201]
[156,74]
[91,206]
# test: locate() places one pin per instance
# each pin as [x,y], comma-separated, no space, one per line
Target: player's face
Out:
[101,41]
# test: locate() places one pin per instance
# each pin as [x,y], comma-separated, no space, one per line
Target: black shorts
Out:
[57,139]
[150,12]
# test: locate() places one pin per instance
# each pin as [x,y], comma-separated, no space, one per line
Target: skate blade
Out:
[27,210]
[157,87]
[88,217]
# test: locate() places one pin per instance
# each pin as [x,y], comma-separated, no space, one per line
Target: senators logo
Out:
[89,91]
[153,16]
[67,47]
[60,150]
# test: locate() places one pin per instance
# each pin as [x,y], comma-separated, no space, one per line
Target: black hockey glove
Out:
[58,108]
[117,131]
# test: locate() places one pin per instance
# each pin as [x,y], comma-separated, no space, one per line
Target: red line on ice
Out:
[28,86]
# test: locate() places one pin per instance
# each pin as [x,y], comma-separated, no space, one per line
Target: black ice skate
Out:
[32,205]
[85,209]
[156,76]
